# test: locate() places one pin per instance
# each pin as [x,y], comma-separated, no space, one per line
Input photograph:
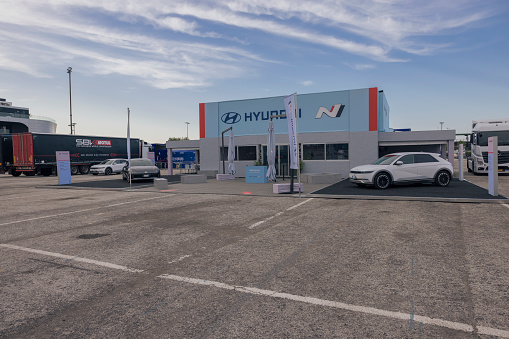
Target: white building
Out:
[15,119]
[337,131]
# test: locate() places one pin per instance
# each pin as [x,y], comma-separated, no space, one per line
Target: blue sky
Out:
[435,60]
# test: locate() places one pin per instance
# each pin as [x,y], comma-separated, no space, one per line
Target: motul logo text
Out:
[102,142]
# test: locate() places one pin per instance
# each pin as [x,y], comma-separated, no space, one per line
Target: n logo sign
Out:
[335,111]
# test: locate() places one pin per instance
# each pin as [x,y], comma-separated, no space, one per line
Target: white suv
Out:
[407,167]
[108,166]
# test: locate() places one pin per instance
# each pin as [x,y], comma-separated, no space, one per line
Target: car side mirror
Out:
[399,163]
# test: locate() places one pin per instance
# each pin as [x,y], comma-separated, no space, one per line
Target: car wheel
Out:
[107,171]
[443,178]
[382,180]
[74,170]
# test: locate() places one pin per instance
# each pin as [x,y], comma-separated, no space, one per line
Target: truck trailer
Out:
[35,153]
[481,131]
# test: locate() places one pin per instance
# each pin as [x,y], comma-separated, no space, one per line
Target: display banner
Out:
[460,161]
[290,103]
[493,166]
[63,167]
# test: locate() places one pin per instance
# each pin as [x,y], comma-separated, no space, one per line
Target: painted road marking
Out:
[79,211]
[274,294]
[73,258]
[506,205]
[180,259]
[334,304]
[278,214]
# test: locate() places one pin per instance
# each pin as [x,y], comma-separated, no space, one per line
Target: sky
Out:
[437,61]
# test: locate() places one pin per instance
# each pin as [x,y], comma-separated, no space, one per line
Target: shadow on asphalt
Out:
[455,190]
[120,183]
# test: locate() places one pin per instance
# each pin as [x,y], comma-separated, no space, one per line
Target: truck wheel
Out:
[46,171]
[15,173]
[84,169]
[74,170]
[30,174]
[107,171]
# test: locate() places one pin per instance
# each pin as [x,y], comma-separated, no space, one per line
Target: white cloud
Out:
[191,42]
[306,83]
[360,67]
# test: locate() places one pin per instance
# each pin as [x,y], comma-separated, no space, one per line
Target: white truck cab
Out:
[481,131]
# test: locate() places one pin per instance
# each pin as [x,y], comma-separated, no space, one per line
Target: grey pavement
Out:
[212,262]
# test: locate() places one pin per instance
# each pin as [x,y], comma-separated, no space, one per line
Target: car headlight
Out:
[361,172]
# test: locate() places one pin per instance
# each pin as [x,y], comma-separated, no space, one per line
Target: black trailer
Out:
[35,153]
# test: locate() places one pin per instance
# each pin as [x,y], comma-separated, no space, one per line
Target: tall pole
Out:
[187,125]
[441,125]
[69,70]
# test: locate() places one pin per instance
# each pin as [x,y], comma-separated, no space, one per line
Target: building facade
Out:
[15,119]
[336,131]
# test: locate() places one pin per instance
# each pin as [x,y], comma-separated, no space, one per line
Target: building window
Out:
[246,153]
[224,156]
[337,151]
[313,152]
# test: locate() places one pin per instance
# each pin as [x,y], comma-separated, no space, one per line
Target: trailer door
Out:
[23,151]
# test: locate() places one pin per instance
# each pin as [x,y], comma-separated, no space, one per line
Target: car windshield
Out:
[386,159]
[106,162]
[141,162]
[503,137]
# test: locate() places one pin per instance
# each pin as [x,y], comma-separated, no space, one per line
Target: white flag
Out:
[290,107]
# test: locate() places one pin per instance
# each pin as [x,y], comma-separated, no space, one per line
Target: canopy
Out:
[271,153]
[231,154]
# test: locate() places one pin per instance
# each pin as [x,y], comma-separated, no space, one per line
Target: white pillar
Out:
[170,161]
[493,166]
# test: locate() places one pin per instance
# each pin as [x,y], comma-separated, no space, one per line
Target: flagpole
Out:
[129,146]
[297,140]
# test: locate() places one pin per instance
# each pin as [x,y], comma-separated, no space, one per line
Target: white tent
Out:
[231,155]
[271,153]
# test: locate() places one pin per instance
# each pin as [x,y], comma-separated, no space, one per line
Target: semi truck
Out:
[481,131]
[35,153]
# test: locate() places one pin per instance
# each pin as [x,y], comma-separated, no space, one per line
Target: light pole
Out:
[441,124]
[69,70]
[187,126]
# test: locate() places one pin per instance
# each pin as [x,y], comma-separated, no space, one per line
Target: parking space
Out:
[114,263]
[455,191]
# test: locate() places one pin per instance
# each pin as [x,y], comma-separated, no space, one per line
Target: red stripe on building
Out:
[202,120]
[373,109]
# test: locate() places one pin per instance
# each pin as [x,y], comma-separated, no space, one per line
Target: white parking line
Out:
[506,205]
[79,211]
[334,304]
[73,258]
[278,214]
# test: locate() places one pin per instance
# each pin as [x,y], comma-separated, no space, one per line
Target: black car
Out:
[141,168]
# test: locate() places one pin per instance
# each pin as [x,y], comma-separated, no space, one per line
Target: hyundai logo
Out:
[231,118]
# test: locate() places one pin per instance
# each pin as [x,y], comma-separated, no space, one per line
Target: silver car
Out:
[407,167]
[141,168]
[108,166]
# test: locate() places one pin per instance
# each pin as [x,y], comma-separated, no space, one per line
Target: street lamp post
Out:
[187,126]
[69,70]
[441,124]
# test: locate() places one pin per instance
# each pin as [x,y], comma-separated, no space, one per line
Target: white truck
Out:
[481,131]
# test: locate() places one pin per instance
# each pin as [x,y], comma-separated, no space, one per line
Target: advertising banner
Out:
[493,166]
[63,167]
[290,106]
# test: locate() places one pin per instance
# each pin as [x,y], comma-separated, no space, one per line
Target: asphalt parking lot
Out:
[139,263]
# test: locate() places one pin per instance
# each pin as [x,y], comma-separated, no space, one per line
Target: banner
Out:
[290,107]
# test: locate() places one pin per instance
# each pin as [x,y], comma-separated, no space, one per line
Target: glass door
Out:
[282,164]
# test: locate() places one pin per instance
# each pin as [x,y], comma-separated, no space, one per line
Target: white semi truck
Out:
[481,131]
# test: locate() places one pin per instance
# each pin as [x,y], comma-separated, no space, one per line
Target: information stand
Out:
[64,167]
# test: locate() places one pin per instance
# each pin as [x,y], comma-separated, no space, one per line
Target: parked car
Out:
[141,168]
[108,166]
[400,168]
